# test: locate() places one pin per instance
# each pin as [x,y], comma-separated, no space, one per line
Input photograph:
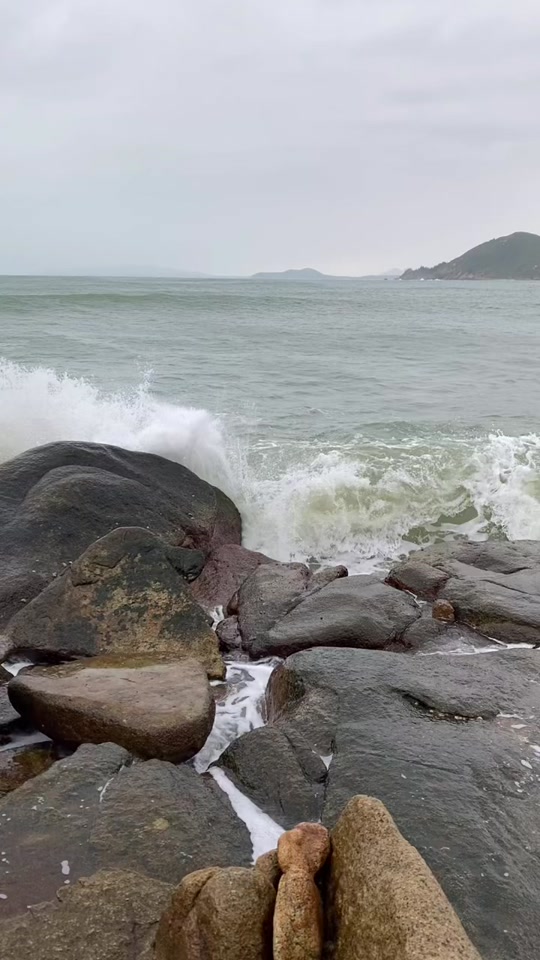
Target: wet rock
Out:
[8,714]
[503,613]
[19,764]
[271,592]
[112,915]
[449,745]
[225,570]
[58,499]
[152,709]
[99,810]
[346,613]
[381,894]
[418,577]
[219,914]
[298,916]
[285,782]
[443,610]
[428,635]
[122,597]
[228,634]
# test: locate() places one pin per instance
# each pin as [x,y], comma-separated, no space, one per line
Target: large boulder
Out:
[112,915]
[123,596]
[58,499]
[219,914]
[450,745]
[152,709]
[382,900]
[493,587]
[283,779]
[350,612]
[224,572]
[99,810]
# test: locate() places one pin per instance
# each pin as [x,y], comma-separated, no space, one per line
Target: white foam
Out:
[240,711]
[264,831]
[15,666]
[24,740]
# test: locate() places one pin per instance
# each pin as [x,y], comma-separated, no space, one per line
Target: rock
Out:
[228,634]
[381,894]
[278,778]
[427,635]
[449,745]
[272,591]
[20,764]
[121,597]
[152,709]
[493,587]
[443,610]
[417,577]
[225,570]
[268,866]
[346,613]
[219,914]
[298,916]
[58,499]
[112,915]
[8,715]
[98,810]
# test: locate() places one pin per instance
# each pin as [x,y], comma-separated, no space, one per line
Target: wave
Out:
[362,502]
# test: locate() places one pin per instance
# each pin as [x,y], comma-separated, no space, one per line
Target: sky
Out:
[229,136]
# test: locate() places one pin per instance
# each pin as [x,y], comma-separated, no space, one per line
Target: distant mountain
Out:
[516,257]
[306,274]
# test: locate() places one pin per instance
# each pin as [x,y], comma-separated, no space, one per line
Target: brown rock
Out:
[219,914]
[383,902]
[111,915]
[443,610]
[224,573]
[268,865]
[298,917]
[163,710]
[122,596]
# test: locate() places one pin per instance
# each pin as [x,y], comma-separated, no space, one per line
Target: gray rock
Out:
[496,611]
[346,613]
[418,577]
[225,570]
[152,709]
[112,915]
[427,635]
[285,781]
[58,499]
[98,810]
[121,597]
[228,634]
[8,715]
[440,742]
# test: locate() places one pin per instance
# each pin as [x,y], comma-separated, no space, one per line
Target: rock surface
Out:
[8,714]
[349,612]
[225,570]
[58,499]
[219,914]
[493,587]
[298,915]
[153,710]
[383,902]
[112,915]
[450,746]
[283,780]
[123,596]
[98,810]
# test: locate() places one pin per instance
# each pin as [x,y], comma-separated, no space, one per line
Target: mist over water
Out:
[350,422]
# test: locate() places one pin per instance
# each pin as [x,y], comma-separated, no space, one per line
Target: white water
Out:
[360,501]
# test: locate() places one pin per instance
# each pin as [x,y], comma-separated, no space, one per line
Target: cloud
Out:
[230,136]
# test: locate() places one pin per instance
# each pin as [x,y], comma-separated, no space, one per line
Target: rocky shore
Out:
[140,778]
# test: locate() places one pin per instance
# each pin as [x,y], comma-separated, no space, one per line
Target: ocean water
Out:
[352,421]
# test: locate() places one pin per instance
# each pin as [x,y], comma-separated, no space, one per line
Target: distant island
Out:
[516,257]
[307,273]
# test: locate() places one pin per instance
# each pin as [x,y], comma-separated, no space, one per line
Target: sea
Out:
[352,421]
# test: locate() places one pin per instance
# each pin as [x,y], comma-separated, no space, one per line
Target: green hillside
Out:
[516,257]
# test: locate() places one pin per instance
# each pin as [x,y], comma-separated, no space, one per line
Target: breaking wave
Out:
[361,502]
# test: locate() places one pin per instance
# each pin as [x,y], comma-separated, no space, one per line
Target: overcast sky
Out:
[229,136]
